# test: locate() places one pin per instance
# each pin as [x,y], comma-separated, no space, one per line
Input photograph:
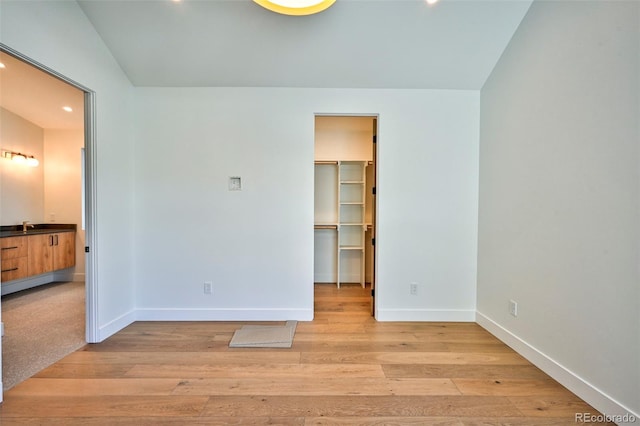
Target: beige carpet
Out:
[41,326]
[264,336]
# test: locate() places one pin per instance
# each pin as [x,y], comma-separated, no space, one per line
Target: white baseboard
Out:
[583,389]
[224,314]
[437,315]
[123,321]
[324,278]
[116,325]
[331,279]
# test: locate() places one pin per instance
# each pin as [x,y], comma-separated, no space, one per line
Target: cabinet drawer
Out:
[13,247]
[13,269]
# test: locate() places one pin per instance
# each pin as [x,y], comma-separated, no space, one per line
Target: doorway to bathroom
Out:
[49,119]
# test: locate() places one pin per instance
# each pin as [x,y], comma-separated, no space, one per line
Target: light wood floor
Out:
[343,368]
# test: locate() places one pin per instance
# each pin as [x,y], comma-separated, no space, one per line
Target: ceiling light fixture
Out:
[21,158]
[430,2]
[67,108]
[2,65]
[295,7]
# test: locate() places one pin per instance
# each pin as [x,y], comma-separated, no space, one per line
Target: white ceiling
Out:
[38,97]
[355,43]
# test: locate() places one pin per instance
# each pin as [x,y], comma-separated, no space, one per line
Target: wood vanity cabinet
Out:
[64,250]
[13,256]
[50,252]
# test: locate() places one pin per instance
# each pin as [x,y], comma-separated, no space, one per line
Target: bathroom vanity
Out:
[32,255]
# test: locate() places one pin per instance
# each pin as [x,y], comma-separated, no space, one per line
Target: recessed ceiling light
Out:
[295,7]
[67,108]
[2,65]
[432,1]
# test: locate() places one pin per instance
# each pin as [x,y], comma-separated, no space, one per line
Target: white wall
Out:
[22,188]
[63,185]
[58,34]
[559,213]
[256,245]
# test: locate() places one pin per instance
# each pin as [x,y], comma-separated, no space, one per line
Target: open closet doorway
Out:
[47,211]
[345,206]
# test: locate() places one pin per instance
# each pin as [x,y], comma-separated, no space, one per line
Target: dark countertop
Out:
[36,228]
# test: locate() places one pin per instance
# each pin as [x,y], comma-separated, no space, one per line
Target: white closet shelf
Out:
[351,248]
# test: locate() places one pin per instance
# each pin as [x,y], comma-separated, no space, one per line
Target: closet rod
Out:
[325,162]
[325,226]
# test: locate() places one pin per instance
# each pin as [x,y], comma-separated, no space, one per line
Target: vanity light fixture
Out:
[295,7]
[21,158]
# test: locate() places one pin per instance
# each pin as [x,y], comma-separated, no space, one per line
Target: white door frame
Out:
[90,196]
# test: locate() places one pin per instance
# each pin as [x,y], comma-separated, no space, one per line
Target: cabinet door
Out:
[40,254]
[64,250]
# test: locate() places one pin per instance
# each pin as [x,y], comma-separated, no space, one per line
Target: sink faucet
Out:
[25,225]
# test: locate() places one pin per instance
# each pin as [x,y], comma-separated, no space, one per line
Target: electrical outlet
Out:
[513,308]
[413,289]
[208,287]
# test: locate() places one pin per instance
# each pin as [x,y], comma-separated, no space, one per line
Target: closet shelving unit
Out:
[344,210]
[351,225]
